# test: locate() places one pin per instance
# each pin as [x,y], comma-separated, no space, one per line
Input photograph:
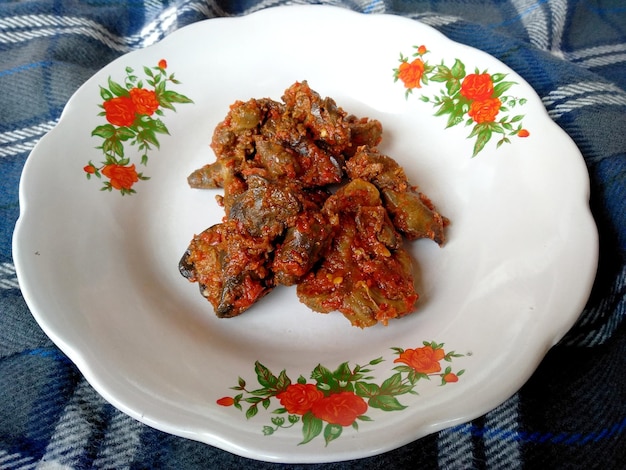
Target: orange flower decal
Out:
[424,360]
[485,110]
[411,73]
[477,99]
[226,401]
[450,378]
[90,169]
[338,399]
[121,177]
[132,112]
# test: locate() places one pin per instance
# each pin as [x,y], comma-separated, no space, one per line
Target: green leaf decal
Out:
[264,375]
[332,432]
[386,403]
[117,89]
[311,427]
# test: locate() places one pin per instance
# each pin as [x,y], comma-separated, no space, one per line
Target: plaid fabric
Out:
[570,414]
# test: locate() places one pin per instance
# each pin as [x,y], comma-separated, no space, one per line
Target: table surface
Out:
[570,414]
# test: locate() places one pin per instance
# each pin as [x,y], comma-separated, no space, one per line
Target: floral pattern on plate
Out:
[132,111]
[341,398]
[477,98]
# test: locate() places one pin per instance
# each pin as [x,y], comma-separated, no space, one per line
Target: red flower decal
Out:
[298,398]
[162,64]
[144,100]
[424,360]
[120,111]
[523,133]
[477,86]
[122,177]
[341,408]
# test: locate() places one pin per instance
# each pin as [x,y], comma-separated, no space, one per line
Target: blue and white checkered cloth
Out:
[570,414]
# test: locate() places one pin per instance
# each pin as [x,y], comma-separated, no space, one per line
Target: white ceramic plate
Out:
[99,269]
